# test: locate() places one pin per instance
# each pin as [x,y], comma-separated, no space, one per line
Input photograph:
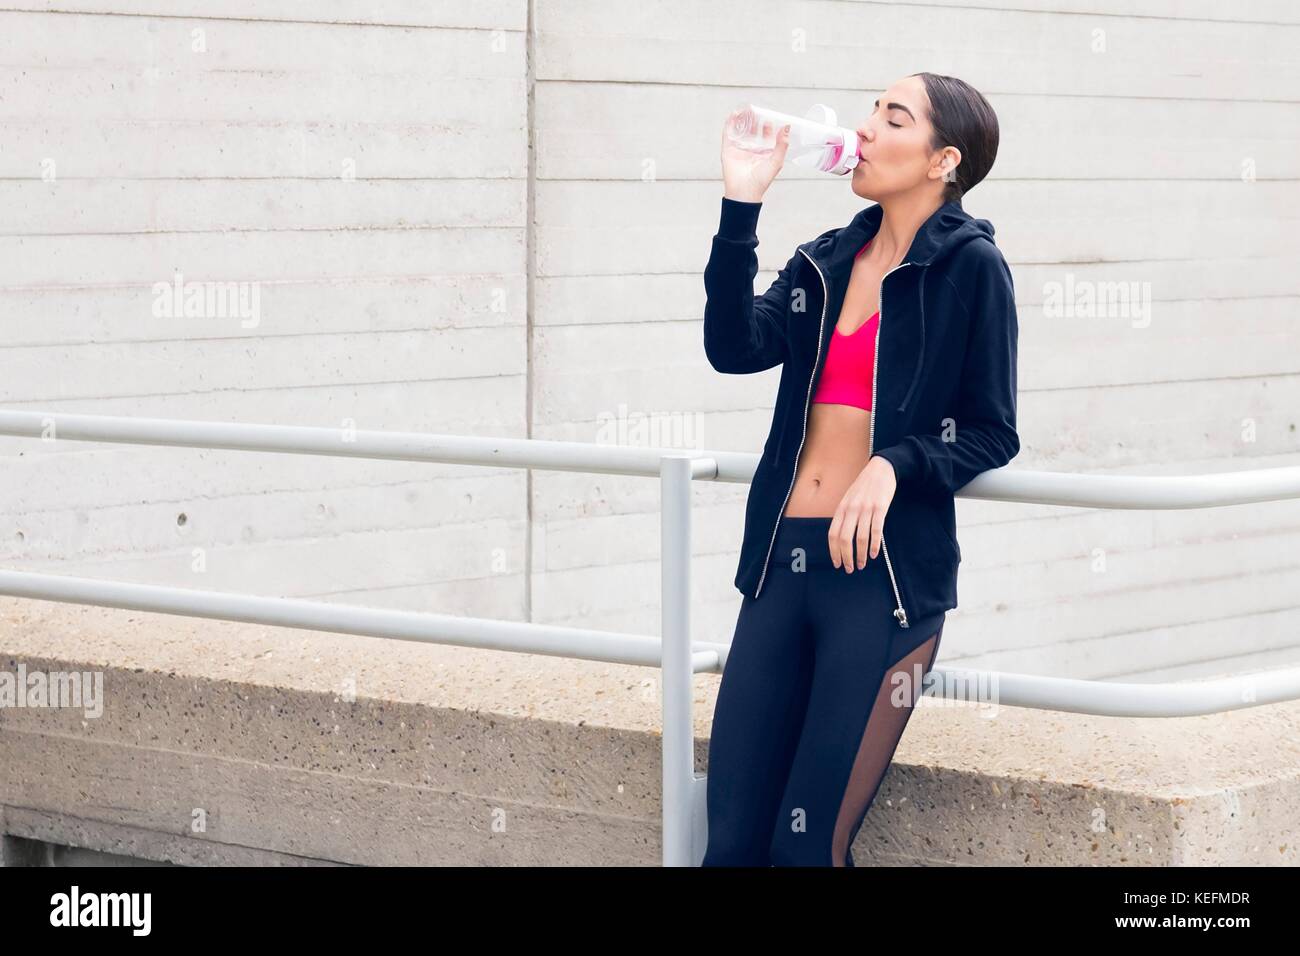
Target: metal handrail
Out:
[420,626]
[673,651]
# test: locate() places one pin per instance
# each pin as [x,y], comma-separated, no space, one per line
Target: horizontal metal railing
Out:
[673,651]
[420,626]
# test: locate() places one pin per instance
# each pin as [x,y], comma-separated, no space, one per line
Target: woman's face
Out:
[894,141]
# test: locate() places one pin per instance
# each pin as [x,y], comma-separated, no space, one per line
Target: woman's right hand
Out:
[746,175]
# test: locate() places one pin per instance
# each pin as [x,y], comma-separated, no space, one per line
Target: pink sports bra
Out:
[850,364]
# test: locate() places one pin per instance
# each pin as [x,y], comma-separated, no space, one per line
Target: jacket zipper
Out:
[821,334]
[900,613]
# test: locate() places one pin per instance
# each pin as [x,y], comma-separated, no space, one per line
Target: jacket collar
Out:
[948,228]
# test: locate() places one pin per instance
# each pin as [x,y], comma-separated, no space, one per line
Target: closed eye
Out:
[895,125]
[892,106]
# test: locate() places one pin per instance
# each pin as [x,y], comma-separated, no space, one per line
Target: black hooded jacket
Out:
[944,394]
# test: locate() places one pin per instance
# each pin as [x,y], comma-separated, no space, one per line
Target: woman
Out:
[881,415]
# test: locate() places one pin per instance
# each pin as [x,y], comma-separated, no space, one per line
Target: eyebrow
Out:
[896,106]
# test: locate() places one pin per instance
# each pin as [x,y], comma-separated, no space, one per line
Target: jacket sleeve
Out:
[983,429]
[743,332]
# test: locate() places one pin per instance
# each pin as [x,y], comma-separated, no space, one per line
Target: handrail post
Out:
[677,674]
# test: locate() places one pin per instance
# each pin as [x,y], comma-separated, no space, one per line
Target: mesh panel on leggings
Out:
[880,739]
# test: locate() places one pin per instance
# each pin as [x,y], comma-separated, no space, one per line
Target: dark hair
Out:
[963,118]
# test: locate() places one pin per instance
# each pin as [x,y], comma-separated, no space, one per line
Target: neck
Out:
[901,219]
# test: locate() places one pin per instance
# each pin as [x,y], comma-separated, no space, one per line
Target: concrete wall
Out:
[491,218]
[367,166]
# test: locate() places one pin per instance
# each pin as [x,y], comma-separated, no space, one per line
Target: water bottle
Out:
[816,142]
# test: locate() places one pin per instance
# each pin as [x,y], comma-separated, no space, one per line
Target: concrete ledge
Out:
[223,743]
[447,755]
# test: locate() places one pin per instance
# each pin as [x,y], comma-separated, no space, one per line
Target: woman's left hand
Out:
[860,517]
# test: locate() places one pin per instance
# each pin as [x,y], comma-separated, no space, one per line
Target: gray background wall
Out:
[492,219]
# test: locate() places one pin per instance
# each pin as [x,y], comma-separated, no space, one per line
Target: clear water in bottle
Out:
[816,142]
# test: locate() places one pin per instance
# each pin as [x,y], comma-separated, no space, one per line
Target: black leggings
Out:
[810,710]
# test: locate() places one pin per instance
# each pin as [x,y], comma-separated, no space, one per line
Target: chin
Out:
[863,189]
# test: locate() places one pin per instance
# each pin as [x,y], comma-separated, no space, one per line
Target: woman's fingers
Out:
[832,536]
[866,526]
[842,539]
[856,535]
[877,531]
[776,158]
[782,144]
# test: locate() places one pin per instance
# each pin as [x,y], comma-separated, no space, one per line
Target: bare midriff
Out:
[834,454]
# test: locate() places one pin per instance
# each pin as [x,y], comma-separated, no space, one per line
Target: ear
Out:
[946,166]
